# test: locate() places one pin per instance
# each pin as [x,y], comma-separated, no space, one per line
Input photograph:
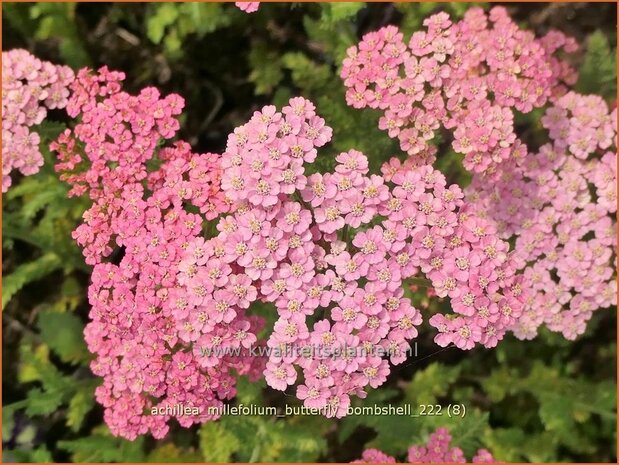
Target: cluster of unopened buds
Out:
[437,450]
[138,229]
[30,87]
[466,76]
[559,206]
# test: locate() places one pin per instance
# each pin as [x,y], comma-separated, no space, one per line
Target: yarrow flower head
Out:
[460,253]
[248,7]
[559,206]
[30,87]
[317,249]
[136,233]
[466,76]
[437,450]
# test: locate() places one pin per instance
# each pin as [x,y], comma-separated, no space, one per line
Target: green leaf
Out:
[27,273]
[47,193]
[333,40]
[598,73]
[8,421]
[49,130]
[556,412]
[27,435]
[306,74]
[71,294]
[266,69]
[80,404]
[217,443]
[42,455]
[170,453]
[294,440]
[249,392]
[63,334]
[33,363]
[104,448]
[495,386]
[172,43]
[334,12]
[35,366]
[18,16]
[52,18]
[393,432]
[43,402]
[506,443]
[171,23]
[350,423]
[203,18]
[431,383]
[263,439]
[164,15]
[466,431]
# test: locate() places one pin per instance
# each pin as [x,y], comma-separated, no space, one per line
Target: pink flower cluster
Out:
[143,220]
[29,88]
[248,7]
[466,76]
[559,206]
[463,257]
[339,295]
[437,450]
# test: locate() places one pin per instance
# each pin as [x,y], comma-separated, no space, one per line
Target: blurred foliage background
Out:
[542,400]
